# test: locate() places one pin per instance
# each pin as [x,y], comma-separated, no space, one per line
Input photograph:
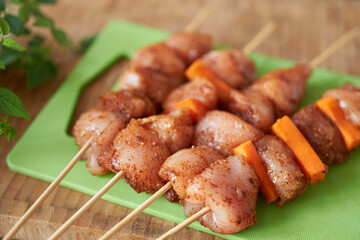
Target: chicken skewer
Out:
[256,109]
[211,132]
[180,50]
[273,154]
[190,28]
[68,223]
[194,93]
[276,156]
[168,178]
[205,210]
[141,138]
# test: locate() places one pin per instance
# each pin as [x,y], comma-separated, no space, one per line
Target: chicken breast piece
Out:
[175,129]
[129,103]
[322,134]
[161,58]
[190,46]
[153,84]
[139,152]
[282,168]
[224,131]
[103,126]
[349,98]
[285,87]
[252,106]
[112,113]
[201,90]
[232,66]
[184,165]
[229,188]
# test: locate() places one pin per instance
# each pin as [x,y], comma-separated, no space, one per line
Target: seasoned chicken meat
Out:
[224,131]
[103,126]
[322,134]
[349,99]
[252,106]
[143,146]
[232,66]
[285,87]
[139,152]
[189,46]
[229,188]
[201,90]
[175,129]
[161,58]
[183,166]
[153,84]
[130,103]
[282,168]
[104,121]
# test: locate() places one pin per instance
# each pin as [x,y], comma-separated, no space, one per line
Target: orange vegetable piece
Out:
[332,109]
[253,158]
[199,70]
[197,108]
[306,157]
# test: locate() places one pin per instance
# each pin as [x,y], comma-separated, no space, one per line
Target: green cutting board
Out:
[328,210]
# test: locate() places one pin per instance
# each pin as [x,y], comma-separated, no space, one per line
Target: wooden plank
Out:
[304,29]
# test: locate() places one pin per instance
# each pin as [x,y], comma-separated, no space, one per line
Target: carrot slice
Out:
[197,108]
[332,109]
[306,157]
[253,158]
[199,70]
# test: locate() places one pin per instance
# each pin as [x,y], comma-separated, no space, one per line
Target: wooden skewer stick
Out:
[321,57]
[199,18]
[345,38]
[186,223]
[192,26]
[137,211]
[46,193]
[259,37]
[84,208]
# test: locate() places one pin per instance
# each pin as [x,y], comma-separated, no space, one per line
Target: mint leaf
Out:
[11,43]
[4,27]
[40,72]
[44,22]
[25,31]
[2,66]
[31,7]
[9,56]
[4,128]
[41,53]
[10,104]
[14,23]
[60,37]
[5,118]
[24,14]
[36,41]
[11,133]
[46,1]
[85,43]
[2,5]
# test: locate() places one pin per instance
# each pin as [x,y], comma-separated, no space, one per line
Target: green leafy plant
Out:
[10,104]
[15,16]
[36,59]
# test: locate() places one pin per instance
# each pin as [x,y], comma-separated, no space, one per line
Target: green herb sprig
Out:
[35,58]
[10,104]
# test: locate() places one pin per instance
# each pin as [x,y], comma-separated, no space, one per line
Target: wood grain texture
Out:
[304,28]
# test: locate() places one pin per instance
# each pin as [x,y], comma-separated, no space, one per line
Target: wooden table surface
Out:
[304,28]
